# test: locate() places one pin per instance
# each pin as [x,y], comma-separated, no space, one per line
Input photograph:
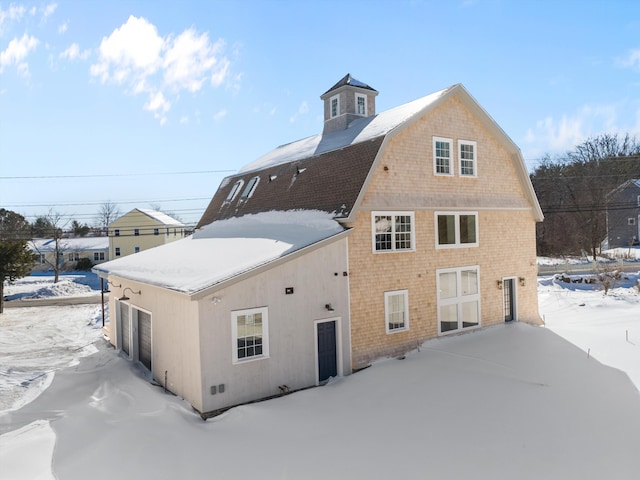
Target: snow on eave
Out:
[224,249]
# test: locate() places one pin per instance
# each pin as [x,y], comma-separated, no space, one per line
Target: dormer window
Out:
[361,104]
[234,191]
[335,106]
[250,188]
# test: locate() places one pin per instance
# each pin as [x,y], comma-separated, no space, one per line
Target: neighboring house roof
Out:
[631,182]
[337,165]
[80,244]
[224,249]
[161,217]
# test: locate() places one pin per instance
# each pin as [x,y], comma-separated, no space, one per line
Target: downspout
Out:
[102,294]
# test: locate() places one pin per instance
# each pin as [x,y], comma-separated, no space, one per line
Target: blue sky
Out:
[152,103]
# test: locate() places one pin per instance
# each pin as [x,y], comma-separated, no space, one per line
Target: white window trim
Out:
[475,157]
[336,97]
[233,193]
[360,95]
[405,294]
[234,335]
[457,300]
[393,231]
[457,243]
[249,194]
[451,159]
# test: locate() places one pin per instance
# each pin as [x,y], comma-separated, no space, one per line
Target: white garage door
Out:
[144,338]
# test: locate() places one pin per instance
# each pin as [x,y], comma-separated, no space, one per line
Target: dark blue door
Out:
[327,354]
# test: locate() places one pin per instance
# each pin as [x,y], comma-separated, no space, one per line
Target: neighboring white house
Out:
[70,251]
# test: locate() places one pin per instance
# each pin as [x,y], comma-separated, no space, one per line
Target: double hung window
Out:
[392,231]
[250,334]
[442,153]
[467,158]
[396,310]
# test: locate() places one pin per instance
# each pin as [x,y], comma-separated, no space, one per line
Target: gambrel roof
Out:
[330,171]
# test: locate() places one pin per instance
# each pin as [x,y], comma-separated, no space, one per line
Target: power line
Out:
[74,204]
[146,174]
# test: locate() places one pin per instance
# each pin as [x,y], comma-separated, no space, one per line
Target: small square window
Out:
[156,231]
[117,251]
[631,221]
[136,232]
[456,229]
[116,232]
[136,249]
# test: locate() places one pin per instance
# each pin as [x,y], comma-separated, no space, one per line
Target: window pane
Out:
[467,229]
[469,282]
[446,230]
[448,285]
[403,232]
[448,318]
[395,308]
[469,313]
[443,154]
[383,233]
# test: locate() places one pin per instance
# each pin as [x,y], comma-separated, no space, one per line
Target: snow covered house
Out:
[70,251]
[141,229]
[335,250]
[623,215]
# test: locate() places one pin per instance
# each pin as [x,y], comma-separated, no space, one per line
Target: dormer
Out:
[346,101]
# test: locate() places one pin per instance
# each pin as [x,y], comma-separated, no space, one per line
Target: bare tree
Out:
[58,245]
[107,213]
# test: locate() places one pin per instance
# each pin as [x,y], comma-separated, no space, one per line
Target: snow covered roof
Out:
[224,249]
[360,130]
[80,244]
[161,217]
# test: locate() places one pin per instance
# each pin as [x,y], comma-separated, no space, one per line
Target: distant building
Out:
[70,251]
[623,215]
[141,229]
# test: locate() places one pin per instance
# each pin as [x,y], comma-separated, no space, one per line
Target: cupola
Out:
[346,101]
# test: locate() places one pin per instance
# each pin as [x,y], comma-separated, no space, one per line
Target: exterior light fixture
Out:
[329,307]
[523,281]
[124,293]
[499,282]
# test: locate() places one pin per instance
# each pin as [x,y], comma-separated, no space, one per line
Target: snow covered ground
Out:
[505,402]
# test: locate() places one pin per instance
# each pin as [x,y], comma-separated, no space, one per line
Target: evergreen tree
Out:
[16,260]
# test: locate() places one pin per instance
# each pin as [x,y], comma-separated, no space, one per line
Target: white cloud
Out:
[303,109]
[49,9]
[159,106]
[220,115]
[559,135]
[184,120]
[16,52]
[142,61]
[14,13]
[632,60]
[133,50]
[63,28]
[73,53]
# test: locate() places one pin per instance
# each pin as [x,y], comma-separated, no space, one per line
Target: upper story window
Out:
[250,333]
[156,231]
[116,232]
[250,188]
[392,231]
[442,156]
[396,310]
[334,105]
[361,104]
[233,192]
[456,229]
[136,232]
[631,221]
[467,157]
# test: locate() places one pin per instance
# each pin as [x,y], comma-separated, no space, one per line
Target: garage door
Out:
[125,322]
[144,338]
